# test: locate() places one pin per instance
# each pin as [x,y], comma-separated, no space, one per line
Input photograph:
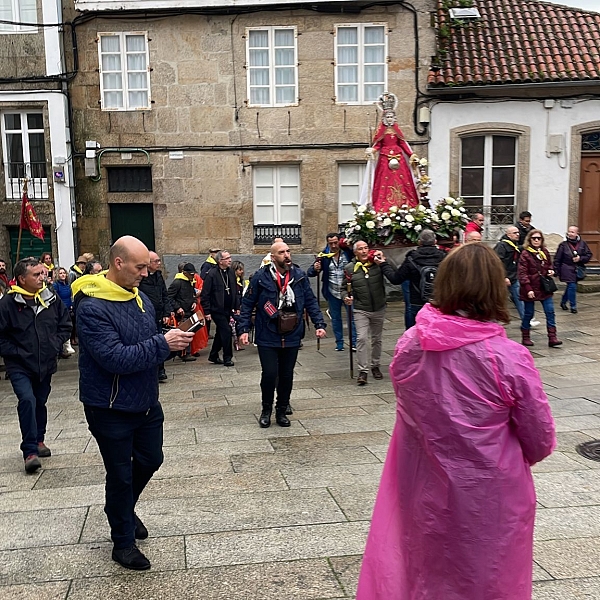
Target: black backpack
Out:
[426,280]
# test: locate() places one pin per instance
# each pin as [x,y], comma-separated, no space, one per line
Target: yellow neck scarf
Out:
[77,269]
[511,243]
[97,286]
[50,267]
[182,276]
[540,253]
[326,254]
[211,260]
[363,266]
[16,289]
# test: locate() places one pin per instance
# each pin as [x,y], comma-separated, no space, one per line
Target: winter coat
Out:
[31,339]
[368,292]
[423,256]
[119,353]
[523,231]
[564,267]
[529,270]
[472,226]
[213,292]
[181,295]
[454,514]
[325,264]
[509,257]
[263,294]
[63,291]
[155,288]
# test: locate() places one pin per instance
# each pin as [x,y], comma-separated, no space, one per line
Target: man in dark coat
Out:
[426,257]
[182,295]
[279,292]
[120,351]
[34,325]
[509,251]
[155,288]
[220,301]
[524,226]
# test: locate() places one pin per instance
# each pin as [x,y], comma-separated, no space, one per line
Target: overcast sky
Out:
[585,4]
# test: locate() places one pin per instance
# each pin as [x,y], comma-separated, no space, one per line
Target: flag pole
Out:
[21,221]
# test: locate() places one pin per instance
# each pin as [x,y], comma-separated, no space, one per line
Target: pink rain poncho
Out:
[455,509]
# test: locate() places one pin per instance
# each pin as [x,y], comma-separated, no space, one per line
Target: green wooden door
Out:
[133,219]
[30,245]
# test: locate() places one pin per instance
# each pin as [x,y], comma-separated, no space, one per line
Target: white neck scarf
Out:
[287,297]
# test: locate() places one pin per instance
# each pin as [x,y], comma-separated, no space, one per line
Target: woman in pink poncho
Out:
[455,509]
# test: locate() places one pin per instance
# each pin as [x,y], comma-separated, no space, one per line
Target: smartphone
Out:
[192,324]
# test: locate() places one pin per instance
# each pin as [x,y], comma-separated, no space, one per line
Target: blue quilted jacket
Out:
[119,353]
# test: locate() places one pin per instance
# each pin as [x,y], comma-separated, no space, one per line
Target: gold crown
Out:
[387,101]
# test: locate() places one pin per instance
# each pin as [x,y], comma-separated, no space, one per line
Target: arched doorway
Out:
[589,193]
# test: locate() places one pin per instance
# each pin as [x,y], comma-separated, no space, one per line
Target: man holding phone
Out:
[119,354]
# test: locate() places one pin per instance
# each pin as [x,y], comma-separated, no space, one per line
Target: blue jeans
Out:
[570,294]
[409,320]
[547,305]
[32,394]
[131,448]
[514,290]
[335,310]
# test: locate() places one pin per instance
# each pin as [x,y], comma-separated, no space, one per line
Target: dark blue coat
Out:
[263,289]
[564,267]
[325,262]
[119,353]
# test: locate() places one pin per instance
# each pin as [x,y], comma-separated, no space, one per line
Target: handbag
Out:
[548,284]
[286,322]
[580,272]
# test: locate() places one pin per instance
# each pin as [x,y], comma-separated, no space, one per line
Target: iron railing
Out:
[37,182]
[265,234]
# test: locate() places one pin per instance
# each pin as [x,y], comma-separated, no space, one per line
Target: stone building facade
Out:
[251,122]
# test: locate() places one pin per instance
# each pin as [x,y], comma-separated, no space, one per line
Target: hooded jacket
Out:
[32,337]
[454,514]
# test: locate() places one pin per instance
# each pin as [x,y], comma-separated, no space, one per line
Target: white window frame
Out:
[361,64]
[19,13]
[343,205]
[488,158]
[122,35]
[272,67]
[276,186]
[38,186]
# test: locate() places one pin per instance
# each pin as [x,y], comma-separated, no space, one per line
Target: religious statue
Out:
[393,182]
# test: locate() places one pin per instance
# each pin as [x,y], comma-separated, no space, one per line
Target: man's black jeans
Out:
[277,372]
[131,448]
[223,337]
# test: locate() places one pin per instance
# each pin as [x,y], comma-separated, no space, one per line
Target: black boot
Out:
[281,419]
[265,418]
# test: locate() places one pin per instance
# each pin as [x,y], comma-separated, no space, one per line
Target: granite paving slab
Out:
[355,501]
[224,433]
[569,407]
[347,570]
[565,559]
[571,589]
[566,523]
[346,424]
[65,497]
[255,397]
[336,440]
[557,461]
[575,488]
[61,478]
[18,480]
[340,475]
[57,590]
[275,544]
[296,580]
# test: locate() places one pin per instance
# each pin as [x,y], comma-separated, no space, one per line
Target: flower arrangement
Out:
[401,224]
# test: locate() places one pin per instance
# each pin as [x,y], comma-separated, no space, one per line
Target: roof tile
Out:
[517,41]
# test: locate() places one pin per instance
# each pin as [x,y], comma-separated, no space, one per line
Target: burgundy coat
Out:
[564,266]
[529,270]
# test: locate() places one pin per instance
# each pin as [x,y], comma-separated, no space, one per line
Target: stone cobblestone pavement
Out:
[239,512]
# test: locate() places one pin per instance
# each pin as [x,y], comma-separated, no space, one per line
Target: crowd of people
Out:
[126,322]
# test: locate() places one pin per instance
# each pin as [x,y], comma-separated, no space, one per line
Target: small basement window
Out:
[129,179]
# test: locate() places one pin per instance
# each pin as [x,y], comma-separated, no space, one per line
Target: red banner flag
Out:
[29,220]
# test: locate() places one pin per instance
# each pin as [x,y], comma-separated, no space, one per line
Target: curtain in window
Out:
[135,43]
[138,99]
[28,10]
[259,96]
[110,43]
[347,35]
[6,14]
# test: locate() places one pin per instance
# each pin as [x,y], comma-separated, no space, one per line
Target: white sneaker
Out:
[68,348]
[534,323]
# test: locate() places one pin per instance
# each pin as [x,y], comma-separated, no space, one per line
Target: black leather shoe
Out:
[131,558]
[188,358]
[141,533]
[265,419]
[229,363]
[288,410]
[282,420]
[574,311]
[564,306]
[215,361]
[377,374]
[163,376]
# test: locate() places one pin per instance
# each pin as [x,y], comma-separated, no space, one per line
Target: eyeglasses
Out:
[536,238]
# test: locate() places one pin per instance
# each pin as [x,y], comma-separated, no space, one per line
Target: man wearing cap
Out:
[220,301]
[182,297]
[76,270]
[210,262]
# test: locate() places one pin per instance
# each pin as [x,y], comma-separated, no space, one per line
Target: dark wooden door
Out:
[589,204]
[133,219]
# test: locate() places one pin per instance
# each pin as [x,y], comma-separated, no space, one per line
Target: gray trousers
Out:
[368,323]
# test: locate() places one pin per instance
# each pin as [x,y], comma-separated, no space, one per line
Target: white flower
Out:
[379,218]
[373,212]
[370,224]
[387,222]
[404,224]
[423,162]
[351,223]
[421,208]
[357,228]
[445,215]
[398,218]
[455,213]
[427,220]
[405,206]
[418,227]
[393,209]
[449,200]
[462,210]
[409,218]
[361,209]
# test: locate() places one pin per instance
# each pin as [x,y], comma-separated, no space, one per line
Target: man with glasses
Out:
[220,301]
[155,288]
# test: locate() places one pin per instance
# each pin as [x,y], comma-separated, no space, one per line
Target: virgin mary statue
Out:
[391,181]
